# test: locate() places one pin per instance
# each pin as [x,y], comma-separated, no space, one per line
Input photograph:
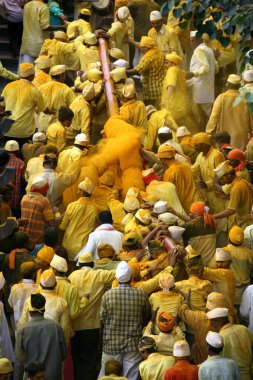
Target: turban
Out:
[222,254]
[199,208]
[234,79]
[11,146]
[202,138]
[57,70]
[59,263]
[166,281]
[147,42]
[94,75]
[123,13]
[85,258]
[27,268]
[166,151]
[85,12]
[88,91]
[143,216]
[108,179]
[118,74]
[39,136]
[36,302]
[131,203]
[48,279]
[43,62]
[135,267]
[128,91]
[214,339]
[155,16]
[105,251]
[215,300]
[26,69]
[181,349]
[174,58]
[236,235]
[5,366]
[86,185]
[237,154]
[165,322]
[81,139]
[182,131]
[116,53]
[46,254]
[123,272]
[61,36]
[222,169]
[90,38]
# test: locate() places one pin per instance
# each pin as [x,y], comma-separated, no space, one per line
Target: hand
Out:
[189,75]
[202,185]
[22,222]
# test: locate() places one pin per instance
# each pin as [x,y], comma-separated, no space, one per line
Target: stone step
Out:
[4,31]
[4,45]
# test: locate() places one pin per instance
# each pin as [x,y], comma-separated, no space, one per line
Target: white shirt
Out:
[246,308]
[104,234]
[58,182]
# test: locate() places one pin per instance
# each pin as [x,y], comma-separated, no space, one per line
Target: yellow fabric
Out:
[166,40]
[176,102]
[61,53]
[236,235]
[118,33]
[4,73]
[82,25]
[155,366]
[21,98]
[82,118]
[56,135]
[241,201]
[19,293]
[70,161]
[180,175]
[86,54]
[134,112]
[40,78]
[100,196]
[199,291]
[36,19]
[34,166]
[80,219]
[234,120]
[164,341]
[117,209]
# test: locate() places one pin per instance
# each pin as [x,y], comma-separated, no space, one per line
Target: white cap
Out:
[81,139]
[248,233]
[123,272]
[214,339]
[219,312]
[160,207]
[181,348]
[193,33]
[155,16]
[120,63]
[176,233]
[182,131]
[123,12]
[223,169]
[248,75]
[222,255]
[59,263]
[164,130]
[11,146]
[48,278]
[86,185]
[168,218]
[39,182]
[39,136]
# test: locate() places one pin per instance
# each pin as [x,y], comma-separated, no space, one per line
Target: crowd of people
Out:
[126,237]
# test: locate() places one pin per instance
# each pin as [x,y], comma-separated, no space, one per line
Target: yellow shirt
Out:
[118,213]
[176,102]
[166,301]
[155,366]
[101,195]
[70,162]
[22,98]
[118,33]
[135,113]
[36,19]
[241,202]
[82,25]
[34,166]
[61,53]
[80,219]
[4,73]
[40,78]
[82,119]
[56,135]
[86,54]
[166,40]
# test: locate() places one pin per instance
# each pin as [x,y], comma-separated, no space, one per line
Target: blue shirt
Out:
[219,368]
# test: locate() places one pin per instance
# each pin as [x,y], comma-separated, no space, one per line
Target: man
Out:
[6,369]
[154,364]
[83,23]
[182,370]
[80,219]
[240,201]
[124,310]
[55,94]
[104,234]
[165,137]
[201,75]
[35,207]
[151,67]
[44,257]
[223,142]
[87,50]
[237,341]
[236,120]
[41,339]
[56,132]
[22,98]
[133,110]
[186,142]
[179,174]
[87,326]
[216,366]
[34,149]
[238,162]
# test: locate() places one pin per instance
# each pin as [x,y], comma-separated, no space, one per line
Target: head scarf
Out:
[236,235]
[237,154]
[165,322]
[199,208]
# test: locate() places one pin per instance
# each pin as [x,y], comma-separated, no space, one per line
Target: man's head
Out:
[50,161]
[36,305]
[85,14]
[218,318]
[35,370]
[43,63]
[65,116]
[248,76]
[195,41]
[12,146]
[51,236]
[28,270]
[172,60]
[4,159]
[155,248]
[107,179]
[86,260]
[85,188]
[214,343]
[222,138]
[123,272]
[81,141]
[181,350]
[128,92]
[166,322]
[236,157]
[6,369]
[167,154]
[233,82]
[105,217]
[166,282]
[223,258]
[131,204]
[143,217]
[113,367]
[164,134]
[130,241]
[21,239]
[236,236]
[146,44]
[48,280]
[123,14]
[58,73]
[39,137]
[147,346]
[59,266]
[182,132]
[156,20]
[59,35]
[88,92]
[215,300]
[202,142]
[27,71]
[106,251]
[225,173]
[40,185]
[50,148]
[44,257]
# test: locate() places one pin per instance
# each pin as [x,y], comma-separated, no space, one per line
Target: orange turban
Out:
[237,154]
[236,235]
[199,208]
[46,254]
[166,321]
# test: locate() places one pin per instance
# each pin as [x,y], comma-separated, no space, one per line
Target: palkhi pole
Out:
[112,102]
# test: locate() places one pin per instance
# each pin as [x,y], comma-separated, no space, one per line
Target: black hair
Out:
[21,239]
[4,158]
[65,113]
[84,17]
[223,137]
[215,350]
[105,217]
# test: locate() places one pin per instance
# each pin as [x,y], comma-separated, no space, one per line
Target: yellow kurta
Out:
[135,113]
[165,341]
[166,40]
[80,219]
[34,166]
[155,366]
[61,53]
[118,213]
[118,33]
[82,118]
[40,78]
[82,25]
[22,98]
[56,135]
[86,54]
[241,202]
[180,175]
[234,120]
[101,195]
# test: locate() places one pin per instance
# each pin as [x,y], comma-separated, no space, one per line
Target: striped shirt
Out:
[18,183]
[37,210]
[123,313]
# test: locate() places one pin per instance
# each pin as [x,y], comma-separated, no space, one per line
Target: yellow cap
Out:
[214,300]
[90,38]
[5,366]
[105,250]
[86,185]
[128,91]
[166,151]
[26,69]
[46,254]
[118,74]
[57,70]
[85,12]
[131,203]
[234,79]
[42,62]
[94,75]
[59,35]
[202,138]
[107,179]
[48,278]
[27,268]
[147,42]
[223,169]
[143,216]
[116,53]
[88,91]
[174,58]
[236,235]
[85,258]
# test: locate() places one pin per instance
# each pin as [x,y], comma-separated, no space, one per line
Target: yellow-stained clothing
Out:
[223,281]
[237,120]
[80,219]
[93,283]
[70,162]
[167,301]
[56,135]
[61,53]
[244,174]
[155,366]
[34,166]
[7,74]
[165,341]
[180,175]
[118,213]
[22,98]
[118,33]
[151,285]
[82,118]
[242,265]
[189,148]
[101,195]
[82,25]
[166,40]
[176,102]
[40,78]
[86,54]
[134,111]
[199,291]
[36,19]
[70,293]
[240,201]
[55,95]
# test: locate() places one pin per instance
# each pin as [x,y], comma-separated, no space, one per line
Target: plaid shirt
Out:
[18,182]
[151,67]
[123,311]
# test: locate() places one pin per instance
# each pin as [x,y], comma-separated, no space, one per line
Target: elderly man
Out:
[237,120]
